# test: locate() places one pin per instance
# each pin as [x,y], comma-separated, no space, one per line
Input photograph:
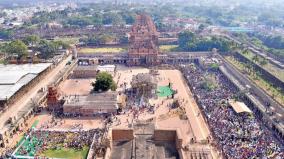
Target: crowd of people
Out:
[38,141]
[237,135]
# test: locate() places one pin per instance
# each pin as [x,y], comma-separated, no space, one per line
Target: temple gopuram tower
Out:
[143,49]
[53,102]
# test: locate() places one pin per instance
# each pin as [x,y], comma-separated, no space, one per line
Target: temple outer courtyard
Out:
[195,127]
[164,117]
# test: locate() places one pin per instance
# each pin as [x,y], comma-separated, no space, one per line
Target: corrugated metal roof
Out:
[106,100]
[14,77]
[10,74]
[6,91]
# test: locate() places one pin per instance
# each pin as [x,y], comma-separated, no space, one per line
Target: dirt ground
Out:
[76,86]
[47,122]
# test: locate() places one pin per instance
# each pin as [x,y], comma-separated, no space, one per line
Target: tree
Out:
[112,18]
[128,17]
[31,40]
[5,34]
[263,62]
[79,21]
[97,19]
[61,44]
[185,37]
[97,40]
[188,42]
[104,82]
[255,59]
[17,47]
[2,47]
[123,40]
[47,49]
[245,51]
[91,40]
[105,38]
[234,46]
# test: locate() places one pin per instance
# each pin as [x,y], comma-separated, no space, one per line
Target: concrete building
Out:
[111,69]
[89,71]
[98,103]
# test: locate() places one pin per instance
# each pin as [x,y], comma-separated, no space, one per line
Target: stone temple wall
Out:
[122,134]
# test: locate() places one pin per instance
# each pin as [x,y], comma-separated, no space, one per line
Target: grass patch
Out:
[168,48]
[102,50]
[67,153]
[68,40]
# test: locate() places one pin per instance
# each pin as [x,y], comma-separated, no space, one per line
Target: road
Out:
[258,93]
[20,104]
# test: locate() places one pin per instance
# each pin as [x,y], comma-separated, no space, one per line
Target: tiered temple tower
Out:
[143,41]
[53,101]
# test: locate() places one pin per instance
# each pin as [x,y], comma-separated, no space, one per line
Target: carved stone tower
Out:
[143,41]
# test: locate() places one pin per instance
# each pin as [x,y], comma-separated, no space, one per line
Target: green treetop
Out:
[104,82]
[17,47]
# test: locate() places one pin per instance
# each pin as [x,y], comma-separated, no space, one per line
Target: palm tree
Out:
[263,62]
[278,90]
[234,46]
[245,51]
[255,58]
[257,75]
[249,67]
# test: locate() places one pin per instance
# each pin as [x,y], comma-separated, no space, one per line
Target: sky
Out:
[196,1]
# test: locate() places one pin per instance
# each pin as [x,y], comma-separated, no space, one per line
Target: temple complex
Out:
[143,41]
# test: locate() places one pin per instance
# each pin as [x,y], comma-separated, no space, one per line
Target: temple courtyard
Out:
[160,110]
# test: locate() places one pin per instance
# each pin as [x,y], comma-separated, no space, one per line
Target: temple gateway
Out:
[143,41]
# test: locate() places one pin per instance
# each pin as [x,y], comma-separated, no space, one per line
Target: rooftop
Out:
[10,74]
[85,68]
[106,68]
[14,77]
[239,107]
[106,100]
